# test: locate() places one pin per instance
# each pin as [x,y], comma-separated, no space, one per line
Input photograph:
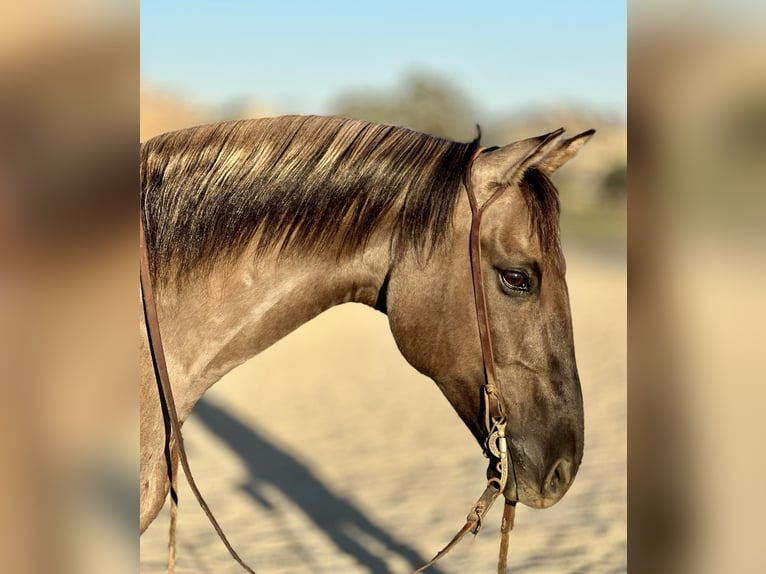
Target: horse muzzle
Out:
[535,482]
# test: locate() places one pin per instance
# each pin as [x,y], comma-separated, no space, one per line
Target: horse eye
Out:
[515,280]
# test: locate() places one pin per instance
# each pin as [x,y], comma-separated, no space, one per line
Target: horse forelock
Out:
[293,182]
[542,200]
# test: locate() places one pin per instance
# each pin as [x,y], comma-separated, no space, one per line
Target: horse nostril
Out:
[558,479]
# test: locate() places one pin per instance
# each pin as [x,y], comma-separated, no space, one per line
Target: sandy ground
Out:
[328,453]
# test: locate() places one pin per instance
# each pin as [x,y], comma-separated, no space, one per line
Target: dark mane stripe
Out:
[294,182]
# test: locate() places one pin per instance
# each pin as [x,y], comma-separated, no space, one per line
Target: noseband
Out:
[495,443]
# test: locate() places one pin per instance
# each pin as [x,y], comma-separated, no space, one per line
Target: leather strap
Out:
[495,446]
[509,514]
[494,414]
[169,409]
[472,524]
[482,316]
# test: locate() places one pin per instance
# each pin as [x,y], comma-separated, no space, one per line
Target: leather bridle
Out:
[495,443]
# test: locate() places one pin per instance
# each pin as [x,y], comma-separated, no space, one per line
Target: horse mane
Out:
[305,183]
[297,182]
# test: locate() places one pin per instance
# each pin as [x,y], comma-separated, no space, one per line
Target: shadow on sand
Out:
[270,466]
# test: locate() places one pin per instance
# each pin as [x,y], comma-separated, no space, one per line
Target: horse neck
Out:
[211,325]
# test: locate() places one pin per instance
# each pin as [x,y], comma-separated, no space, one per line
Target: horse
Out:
[254,227]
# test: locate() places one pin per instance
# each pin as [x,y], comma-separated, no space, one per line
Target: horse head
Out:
[432,313]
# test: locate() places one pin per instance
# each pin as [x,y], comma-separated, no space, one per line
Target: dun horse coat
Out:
[255,227]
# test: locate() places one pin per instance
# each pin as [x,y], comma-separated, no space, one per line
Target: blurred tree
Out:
[424,102]
[614,186]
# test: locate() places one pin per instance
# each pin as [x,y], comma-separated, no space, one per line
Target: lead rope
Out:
[496,445]
[169,408]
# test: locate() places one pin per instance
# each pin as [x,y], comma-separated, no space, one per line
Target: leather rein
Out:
[169,412]
[495,445]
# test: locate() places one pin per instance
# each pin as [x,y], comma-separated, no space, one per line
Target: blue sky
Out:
[298,56]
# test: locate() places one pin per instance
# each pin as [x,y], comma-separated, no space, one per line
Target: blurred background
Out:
[69,77]
[697,93]
[385,472]
[366,494]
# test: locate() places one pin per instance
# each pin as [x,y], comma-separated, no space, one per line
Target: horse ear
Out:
[547,152]
[564,151]
[507,164]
